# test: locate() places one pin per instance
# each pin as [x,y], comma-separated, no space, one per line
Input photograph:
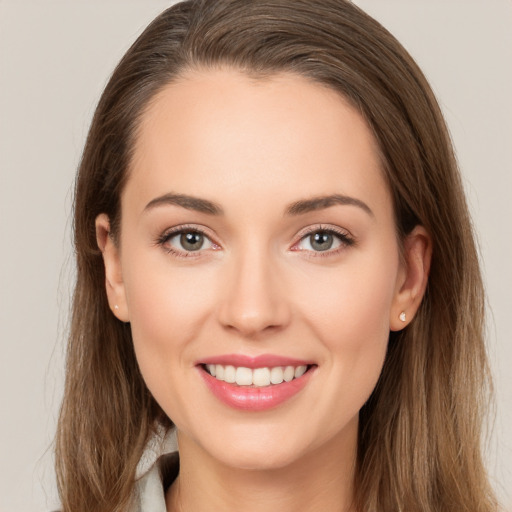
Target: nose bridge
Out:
[254,300]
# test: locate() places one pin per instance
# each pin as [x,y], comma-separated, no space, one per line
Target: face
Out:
[258,245]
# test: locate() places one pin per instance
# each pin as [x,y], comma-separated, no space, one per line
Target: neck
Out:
[320,480]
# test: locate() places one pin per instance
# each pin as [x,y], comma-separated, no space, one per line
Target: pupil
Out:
[191,241]
[322,241]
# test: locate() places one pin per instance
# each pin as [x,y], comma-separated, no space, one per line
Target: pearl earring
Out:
[402,316]
[116,307]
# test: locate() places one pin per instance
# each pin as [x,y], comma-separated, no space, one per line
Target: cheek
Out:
[354,299]
[167,307]
[167,313]
[349,312]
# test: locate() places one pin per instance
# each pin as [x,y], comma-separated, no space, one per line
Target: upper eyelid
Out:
[175,230]
[325,228]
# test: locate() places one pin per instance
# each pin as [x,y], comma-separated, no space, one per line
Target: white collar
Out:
[149,493]
[160,443]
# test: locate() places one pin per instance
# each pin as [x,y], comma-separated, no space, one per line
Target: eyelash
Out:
[164,238]
[344,238]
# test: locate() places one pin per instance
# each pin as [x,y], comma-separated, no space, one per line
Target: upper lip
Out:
[261,361]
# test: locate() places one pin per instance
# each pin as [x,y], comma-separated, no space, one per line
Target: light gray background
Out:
[55,57]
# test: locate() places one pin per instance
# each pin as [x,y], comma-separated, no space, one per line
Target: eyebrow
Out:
[297,208]
[185,201]
[322,202]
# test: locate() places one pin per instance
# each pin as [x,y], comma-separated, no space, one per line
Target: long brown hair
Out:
[419,437]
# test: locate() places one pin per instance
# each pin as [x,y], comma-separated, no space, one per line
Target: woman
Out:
[275,263]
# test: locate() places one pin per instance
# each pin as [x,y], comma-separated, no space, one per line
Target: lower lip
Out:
[254,399]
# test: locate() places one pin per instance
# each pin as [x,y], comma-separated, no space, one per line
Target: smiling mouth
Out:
[255,377]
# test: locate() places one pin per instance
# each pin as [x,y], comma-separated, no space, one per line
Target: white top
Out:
[149,492]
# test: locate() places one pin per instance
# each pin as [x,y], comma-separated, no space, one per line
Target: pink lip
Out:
[248,398]
[261,361]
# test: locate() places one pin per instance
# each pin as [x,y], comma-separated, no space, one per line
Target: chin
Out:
[258,459]
[257,449]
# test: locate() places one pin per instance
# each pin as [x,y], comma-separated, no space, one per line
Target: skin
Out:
[254,147]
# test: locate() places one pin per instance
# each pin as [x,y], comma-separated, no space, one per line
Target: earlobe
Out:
[413,278]
[113,272]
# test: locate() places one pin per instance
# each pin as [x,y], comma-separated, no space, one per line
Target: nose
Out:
[255,299]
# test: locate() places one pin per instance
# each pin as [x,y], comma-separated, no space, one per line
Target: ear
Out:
[412,278]
[113,273]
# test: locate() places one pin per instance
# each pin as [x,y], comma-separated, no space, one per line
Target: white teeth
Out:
[276,375]
[229,374]
[259,377]
[300,371]
[289,373]
[243,376]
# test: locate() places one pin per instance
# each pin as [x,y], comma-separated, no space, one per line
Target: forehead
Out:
[223,132]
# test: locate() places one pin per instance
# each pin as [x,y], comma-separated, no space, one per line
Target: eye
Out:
[183,241]
[324,240]
[190,241]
